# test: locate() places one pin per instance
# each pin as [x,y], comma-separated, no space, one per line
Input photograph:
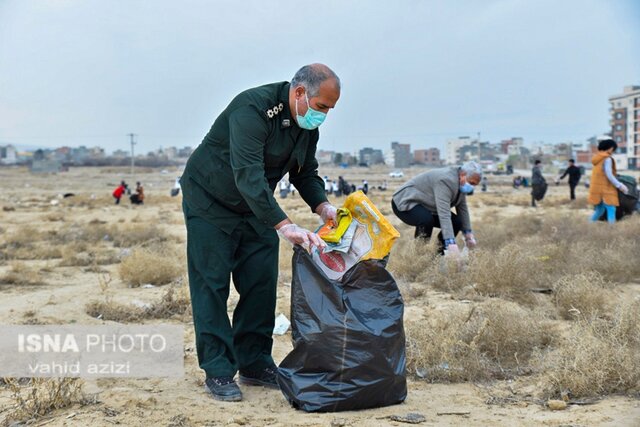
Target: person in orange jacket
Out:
[603,191]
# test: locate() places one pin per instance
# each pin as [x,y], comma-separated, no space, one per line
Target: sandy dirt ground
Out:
[27,199]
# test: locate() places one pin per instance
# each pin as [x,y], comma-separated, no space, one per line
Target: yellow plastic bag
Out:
[332,232]
[381,234]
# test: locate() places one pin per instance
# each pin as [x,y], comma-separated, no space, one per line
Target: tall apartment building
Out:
[453,149]
[430,156]
[399,156]
[370,156]
[625,124]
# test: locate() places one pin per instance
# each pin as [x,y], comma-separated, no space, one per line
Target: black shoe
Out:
[267,377]
[223,388]
[421,233]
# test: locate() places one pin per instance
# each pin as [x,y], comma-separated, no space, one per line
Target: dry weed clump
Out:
[495,339]
[582,296]
[174,302]
[80,255]
[137,235]
[412,259]
[495,234]
[156,266]
[21,274]
[41,396]
[506,273]
[21,243]
[600,356]
[111,310]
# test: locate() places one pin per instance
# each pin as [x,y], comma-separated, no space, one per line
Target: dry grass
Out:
[411,260]
[582,296]
[68,241]
[110,310]
[174,303]
[40,396]
[495,339]
[79,255]
[21,274]
[600,356]
[132,235]
[157,266]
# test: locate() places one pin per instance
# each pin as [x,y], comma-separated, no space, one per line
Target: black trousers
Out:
[424,220]
[572,188]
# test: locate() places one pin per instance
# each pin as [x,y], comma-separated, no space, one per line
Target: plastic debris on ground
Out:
[281,325]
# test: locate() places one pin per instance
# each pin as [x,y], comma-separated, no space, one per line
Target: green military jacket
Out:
[252,144]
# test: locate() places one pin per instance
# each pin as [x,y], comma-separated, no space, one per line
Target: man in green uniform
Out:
[233,220]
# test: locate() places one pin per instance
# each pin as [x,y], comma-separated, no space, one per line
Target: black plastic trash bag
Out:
[348,339]
[539,190]
[628,203]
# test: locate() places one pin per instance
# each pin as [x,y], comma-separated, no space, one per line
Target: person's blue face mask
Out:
[312,118]
[466,188]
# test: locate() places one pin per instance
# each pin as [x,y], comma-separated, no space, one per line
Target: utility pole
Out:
[479,149]
[133,142]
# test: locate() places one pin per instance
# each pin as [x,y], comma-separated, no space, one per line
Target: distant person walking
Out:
[574,177]
[119,191]
[603,191]
[538,183]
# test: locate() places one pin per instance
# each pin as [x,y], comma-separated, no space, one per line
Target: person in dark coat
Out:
[233,220]
[574,177]
[538,183]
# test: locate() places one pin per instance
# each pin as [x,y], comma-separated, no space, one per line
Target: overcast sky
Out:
[87,72]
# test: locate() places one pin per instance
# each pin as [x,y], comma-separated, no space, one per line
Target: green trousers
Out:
[251,259]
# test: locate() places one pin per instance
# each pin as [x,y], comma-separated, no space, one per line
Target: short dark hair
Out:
[537,162]
[605,144]
[571,161]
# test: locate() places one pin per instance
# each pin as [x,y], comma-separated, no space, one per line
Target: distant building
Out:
[399,156]
[583,157]
[370,156]
[512,147]
[121,154]
[171,153]
[185,152]
[96,152]
[8,155]
[325,157]
[625,124]
[429,156]
[453,149]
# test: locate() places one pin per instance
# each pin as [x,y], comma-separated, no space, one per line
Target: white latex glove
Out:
[327,212]
[452,251]
[470,240]
[623,188]
[297,235]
